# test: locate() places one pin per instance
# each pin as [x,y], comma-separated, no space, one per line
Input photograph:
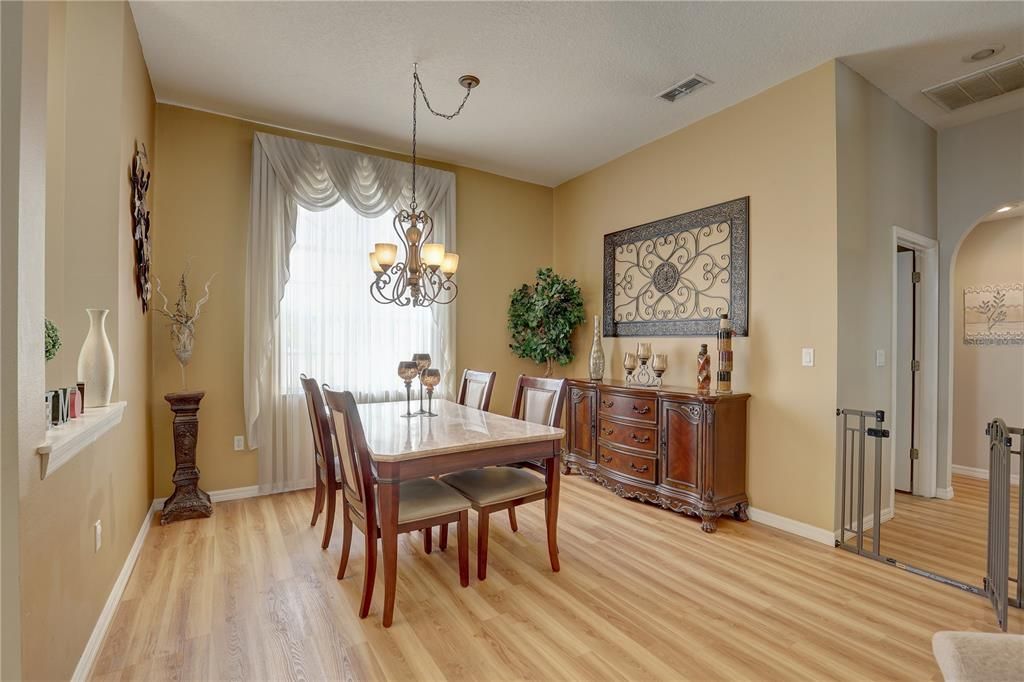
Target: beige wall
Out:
[109,102]
[980,168]
[989,380]
[779,148]
[504,235]
[885,166]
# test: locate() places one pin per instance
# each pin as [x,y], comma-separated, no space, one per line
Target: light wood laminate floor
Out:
[947,537]
[643,594]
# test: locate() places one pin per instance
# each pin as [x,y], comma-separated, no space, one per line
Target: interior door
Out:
[904,424]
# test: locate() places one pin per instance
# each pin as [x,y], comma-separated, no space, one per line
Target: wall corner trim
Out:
[92,648]
[804,530]
[944,493]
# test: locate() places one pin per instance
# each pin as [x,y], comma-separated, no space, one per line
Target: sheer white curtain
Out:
[315,214]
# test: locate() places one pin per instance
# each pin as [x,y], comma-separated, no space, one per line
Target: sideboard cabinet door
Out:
[582,422]
[680,445]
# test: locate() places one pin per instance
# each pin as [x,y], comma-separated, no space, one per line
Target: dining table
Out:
[457,438]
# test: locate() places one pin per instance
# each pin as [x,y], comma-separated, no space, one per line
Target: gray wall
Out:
[981,167]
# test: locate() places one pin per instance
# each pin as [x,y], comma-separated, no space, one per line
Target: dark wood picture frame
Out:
[702,223]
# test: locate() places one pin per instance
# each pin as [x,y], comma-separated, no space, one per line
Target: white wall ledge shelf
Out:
[65,441]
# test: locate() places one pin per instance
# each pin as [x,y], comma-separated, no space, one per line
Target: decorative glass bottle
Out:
[703,369]
[596,354]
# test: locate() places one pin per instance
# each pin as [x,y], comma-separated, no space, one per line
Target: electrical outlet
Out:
[97,529]
[807,357]
[879,358]
[239,443]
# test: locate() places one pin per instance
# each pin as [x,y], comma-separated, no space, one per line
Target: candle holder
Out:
[422,361]
[646,374]
[430,378]
[725,334]
[408,370]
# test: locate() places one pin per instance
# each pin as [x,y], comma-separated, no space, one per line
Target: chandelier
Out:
[424,275]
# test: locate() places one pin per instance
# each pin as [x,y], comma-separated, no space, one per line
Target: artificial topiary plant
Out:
[542,317]
[51,341]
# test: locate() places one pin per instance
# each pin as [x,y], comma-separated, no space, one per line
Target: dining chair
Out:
[422,502]
[326,470]
[492,489]
[476,388]
[474,391]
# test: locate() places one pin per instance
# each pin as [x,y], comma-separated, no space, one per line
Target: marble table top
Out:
[393,438]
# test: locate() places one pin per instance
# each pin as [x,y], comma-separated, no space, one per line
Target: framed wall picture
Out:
[677,276]
[994,315]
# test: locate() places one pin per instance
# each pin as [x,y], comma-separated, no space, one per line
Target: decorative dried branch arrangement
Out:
[183,318]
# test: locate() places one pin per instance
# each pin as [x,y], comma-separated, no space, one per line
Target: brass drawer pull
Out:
[639,469]
[641,441]
[641,410]
[606,431]
[607,403]
[605,458]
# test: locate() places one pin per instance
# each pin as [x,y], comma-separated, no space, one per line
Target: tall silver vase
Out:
[596,354]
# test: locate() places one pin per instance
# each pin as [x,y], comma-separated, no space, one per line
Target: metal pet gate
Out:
[997,573]
[856,427]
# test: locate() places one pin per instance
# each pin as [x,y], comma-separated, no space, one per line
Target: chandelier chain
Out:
[418,84]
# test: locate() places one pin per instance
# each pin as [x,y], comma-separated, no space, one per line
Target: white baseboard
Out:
[804,530]
[869,520]
[944,493]
[92,647]
[974,472]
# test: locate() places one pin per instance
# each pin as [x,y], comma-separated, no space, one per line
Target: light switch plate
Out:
[97,529]
[807,357]
[879,358]
[239,443]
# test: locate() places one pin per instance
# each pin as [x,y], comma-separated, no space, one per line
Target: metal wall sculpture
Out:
[678,275]
[994,314]
[138,176]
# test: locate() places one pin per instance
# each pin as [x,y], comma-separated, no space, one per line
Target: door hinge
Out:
[915,453]
[916,278]
[915,366]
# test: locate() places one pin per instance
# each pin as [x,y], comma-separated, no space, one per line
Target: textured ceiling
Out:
[565,86]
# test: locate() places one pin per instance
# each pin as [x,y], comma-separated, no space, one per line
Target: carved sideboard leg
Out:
[709,520]
[566,468]
[740,513]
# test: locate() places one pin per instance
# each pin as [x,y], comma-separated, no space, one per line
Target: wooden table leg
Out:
[387,495]
[551,476]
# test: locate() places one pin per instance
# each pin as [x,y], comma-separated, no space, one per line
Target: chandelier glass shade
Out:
[416,271]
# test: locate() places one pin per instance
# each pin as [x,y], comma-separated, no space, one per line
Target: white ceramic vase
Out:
[96,361]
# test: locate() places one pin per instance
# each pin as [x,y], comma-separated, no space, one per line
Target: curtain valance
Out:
[287,173]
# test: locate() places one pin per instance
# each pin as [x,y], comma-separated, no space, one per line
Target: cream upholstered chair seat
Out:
[979,656]
[495,484]
[425,498]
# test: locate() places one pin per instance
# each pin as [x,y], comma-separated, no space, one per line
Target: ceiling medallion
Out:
[424,275]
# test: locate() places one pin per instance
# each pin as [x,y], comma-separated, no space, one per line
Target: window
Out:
[331,328]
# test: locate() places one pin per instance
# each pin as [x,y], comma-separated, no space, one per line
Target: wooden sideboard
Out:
[673,447]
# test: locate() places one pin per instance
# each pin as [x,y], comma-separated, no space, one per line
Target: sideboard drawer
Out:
[634,466]
[637,437]
[628,407]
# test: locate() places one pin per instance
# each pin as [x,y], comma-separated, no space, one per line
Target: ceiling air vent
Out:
[979,86]
[686,87]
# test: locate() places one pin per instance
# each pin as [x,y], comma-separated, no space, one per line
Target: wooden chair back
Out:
[354,454]
[476,388]
[323,448]
[539,400]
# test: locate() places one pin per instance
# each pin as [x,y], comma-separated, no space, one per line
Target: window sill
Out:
[65,441]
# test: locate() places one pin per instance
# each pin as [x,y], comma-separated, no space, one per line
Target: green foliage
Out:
[542,317]
[51,341]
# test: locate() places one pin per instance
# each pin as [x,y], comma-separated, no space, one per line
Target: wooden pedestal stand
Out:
[187,501]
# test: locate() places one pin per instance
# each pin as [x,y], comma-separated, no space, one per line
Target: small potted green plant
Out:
[542,318]
[51,340]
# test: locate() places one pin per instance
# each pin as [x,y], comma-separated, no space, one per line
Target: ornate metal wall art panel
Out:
[139,176]
[678,275]
[994,314]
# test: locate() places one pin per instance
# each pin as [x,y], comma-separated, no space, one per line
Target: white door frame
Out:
[927,250]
